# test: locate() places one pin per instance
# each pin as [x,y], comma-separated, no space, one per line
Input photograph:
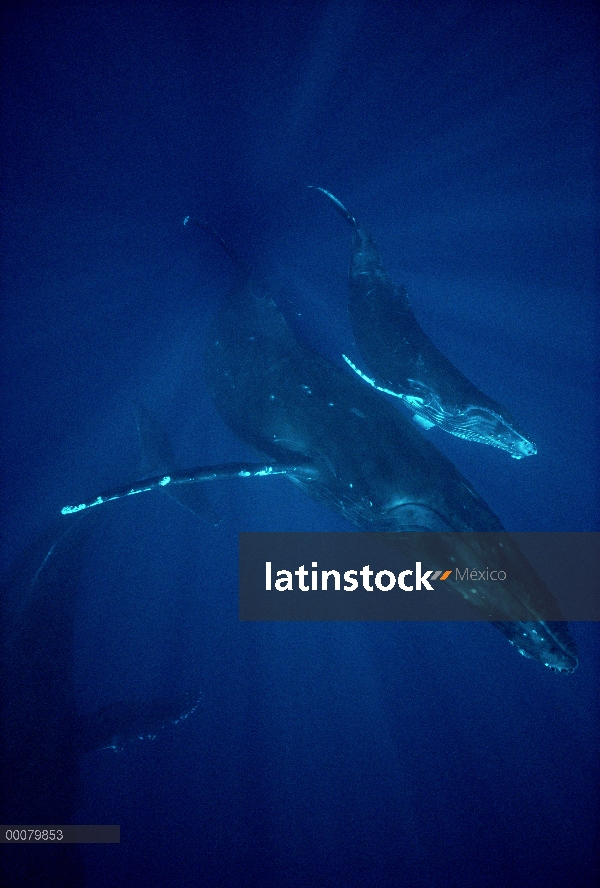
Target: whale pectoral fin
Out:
[122,722]
[374,384]
[411,401]
[299,467]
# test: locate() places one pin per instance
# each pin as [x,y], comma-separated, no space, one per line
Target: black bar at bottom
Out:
[59,835]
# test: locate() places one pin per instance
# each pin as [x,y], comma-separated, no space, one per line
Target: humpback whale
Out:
[405,363]
[43,732]
[346,446]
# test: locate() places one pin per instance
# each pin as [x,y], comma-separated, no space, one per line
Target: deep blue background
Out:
[464,134]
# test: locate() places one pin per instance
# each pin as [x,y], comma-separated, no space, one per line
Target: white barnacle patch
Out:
[521,446]
[422,421]
[164,481]
[70,510]
[245,474]
[268,470]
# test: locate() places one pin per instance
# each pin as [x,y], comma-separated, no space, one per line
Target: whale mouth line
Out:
[472,422]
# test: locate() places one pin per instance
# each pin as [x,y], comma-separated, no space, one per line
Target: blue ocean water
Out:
[465,135]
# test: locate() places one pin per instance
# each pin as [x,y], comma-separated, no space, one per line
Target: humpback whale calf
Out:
[405,362]
[346,446]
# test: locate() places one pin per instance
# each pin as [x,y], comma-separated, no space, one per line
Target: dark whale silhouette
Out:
[405,363]
[42,730]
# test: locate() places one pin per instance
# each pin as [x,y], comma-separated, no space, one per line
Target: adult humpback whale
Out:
[346,446]
[407,364]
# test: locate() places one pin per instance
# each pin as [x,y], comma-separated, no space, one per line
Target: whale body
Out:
[403,361]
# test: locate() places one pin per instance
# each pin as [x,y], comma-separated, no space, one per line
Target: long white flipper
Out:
[194,476]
